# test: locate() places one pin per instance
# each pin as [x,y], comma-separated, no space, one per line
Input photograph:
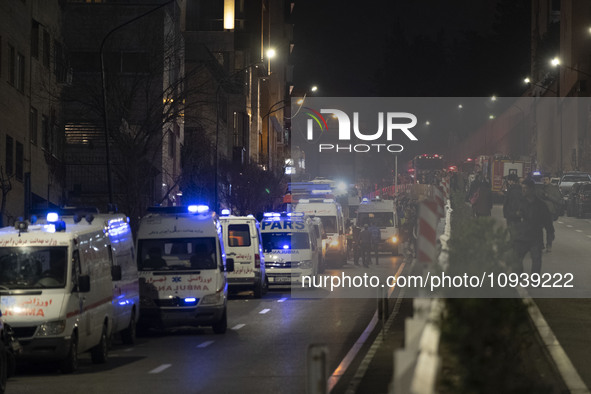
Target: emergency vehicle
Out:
[242,238]
[182,266]
[67,283]
[331,214]
[290,247]
[382,213]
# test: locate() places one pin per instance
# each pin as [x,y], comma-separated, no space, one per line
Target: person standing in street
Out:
[356,231]
[365,245]
[552,197]
[528,221]
[375,240]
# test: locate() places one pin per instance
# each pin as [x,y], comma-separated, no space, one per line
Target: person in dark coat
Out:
[529,220]
[365,245]
[513,197]
[480,196]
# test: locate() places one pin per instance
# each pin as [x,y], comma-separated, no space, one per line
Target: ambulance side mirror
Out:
[116,272]
[229,265]
[83,284]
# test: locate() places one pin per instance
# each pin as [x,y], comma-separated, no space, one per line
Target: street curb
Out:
[558,356]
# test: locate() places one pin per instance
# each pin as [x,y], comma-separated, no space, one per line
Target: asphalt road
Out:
[263,351]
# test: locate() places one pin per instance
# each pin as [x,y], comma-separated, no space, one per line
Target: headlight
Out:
[51,328]
[394,239]
[212,299]
[334,242]
[305,264]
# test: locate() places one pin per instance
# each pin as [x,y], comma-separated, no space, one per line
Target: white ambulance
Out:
[331,214]
[382,213]
[290,247]
[182,266]
[243,243]
[67,284]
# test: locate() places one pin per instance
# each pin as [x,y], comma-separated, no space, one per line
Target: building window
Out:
[20,69]
[46,45]
[171,144]
[45,132]
[33,125]
[35,39]
[60,68]
[19,161]
[9,155]
[11,65]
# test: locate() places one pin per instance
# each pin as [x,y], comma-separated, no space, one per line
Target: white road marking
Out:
[205,344]
[589,236]
[559,222]
[264,311]
[238,326]
[282,299]
[569,225]
[579,231]
[160,368]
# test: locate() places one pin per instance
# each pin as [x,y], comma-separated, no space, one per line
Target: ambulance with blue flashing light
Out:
[331,214]
[382,213]
[290,247]
[68,282]
[243,243]
[182,267]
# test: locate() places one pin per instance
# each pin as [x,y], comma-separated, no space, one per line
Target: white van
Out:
[331,214]
[382,213]
[67,284]
[242,239]
[290,247]
[182,267]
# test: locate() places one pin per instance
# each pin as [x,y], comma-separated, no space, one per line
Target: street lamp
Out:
[104,91]
[556,63]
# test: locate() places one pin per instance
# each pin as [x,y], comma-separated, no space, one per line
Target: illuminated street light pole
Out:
[556,64]
[104,88]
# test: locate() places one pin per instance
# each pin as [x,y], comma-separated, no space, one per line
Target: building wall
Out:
[29,104]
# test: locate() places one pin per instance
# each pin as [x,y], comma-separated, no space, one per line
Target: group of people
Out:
[365,240]
[529,209]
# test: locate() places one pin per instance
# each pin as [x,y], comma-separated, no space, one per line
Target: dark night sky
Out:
[340,44]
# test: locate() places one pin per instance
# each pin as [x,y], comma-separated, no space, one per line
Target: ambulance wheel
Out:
[3,366]
[220,326]
[258,290]
[70,363]
[129,334]
[100,352]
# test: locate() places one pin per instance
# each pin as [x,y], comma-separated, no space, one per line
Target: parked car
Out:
[570,178]
[571,199]
[583,200]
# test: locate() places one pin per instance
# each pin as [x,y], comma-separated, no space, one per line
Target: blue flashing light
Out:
[328,200]
[268,214]
[295,214]
[190,299]
[365,200]
[52,217]
[197,208]
[286,246]
[225,212]
[536,173]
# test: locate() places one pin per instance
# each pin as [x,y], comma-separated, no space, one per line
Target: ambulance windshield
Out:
[329,223]
[285,241]
[177,254]
[33,267]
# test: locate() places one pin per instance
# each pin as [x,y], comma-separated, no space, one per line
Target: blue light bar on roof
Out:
[52,217]
[536,173]
[225,212]
[198,208]
[328,200]
[295,214]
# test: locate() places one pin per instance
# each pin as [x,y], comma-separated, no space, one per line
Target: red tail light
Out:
[257,261]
